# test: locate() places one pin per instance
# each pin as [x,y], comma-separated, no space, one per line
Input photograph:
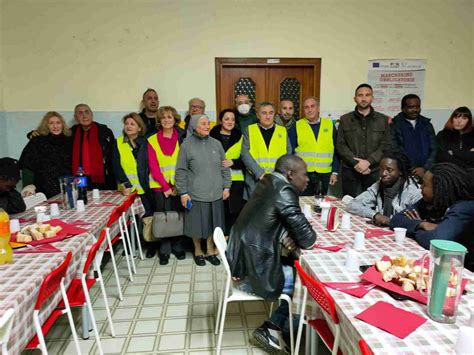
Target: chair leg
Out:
[137,235]
[106,302]
[127,237]
[114,265]
[219,310]
[290,320]
[301,323]
[91,314]
[67,310]
[39,334]
[125,248]
[221,328]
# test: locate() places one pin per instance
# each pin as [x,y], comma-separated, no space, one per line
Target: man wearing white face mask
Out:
[246,115]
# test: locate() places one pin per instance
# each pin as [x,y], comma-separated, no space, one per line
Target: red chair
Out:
[364,348]
[48,288]
[322,297]
[78,291]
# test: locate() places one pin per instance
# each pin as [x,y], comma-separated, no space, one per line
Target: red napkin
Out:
[376,232]
[45,248]
[103,204]
[80,222]
[26,220]
[393,320]
[333,248]
[356,289]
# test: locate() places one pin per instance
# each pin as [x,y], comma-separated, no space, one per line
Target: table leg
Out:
[314,342]
[85,323]
[307,346]
[132,236]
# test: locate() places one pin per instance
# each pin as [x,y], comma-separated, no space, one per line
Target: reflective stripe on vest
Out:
[318,155]
[264,157]
[129,164]
[167,162]
[234,153]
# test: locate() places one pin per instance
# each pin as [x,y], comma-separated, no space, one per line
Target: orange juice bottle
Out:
[6,253]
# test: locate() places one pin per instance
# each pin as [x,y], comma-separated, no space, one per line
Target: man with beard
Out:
[286,111]
[362,137]
[414,135]
[151,103]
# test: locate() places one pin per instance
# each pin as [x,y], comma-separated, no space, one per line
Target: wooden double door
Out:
[267,79]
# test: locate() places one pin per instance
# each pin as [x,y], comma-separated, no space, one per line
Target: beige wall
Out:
[57,53]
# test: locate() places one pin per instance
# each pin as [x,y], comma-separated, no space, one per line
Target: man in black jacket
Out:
[10,199]
[151,103]
[272,216]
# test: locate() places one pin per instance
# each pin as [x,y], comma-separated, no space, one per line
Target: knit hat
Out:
[9,169]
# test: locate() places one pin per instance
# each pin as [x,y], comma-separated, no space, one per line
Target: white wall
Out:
[103,52]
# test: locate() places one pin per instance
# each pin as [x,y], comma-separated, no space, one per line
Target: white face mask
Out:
[243,109]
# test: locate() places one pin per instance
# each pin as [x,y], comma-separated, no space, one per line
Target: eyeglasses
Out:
[196,106]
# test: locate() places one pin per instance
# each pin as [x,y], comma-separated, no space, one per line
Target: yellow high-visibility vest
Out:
[129,164]
[167,162]
[264,157]
[318,155]
[234,153]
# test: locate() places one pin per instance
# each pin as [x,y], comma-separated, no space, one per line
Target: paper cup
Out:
[352,260]
[325,206]
[400,234]
[80,206]
[346,221]
[307,211]
[14,225]
[359,241]
[54,210]
[95,194]
[40,217]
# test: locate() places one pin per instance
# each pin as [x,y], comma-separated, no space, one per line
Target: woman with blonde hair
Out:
[163,149]
[47,156]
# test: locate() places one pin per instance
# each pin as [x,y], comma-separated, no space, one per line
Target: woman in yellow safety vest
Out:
[231,140]
[163,148]
[130,162]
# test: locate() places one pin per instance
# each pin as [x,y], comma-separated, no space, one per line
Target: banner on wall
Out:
[392,79]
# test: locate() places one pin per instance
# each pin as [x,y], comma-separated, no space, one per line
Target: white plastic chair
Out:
[33,200]
[231,294]
[6,323]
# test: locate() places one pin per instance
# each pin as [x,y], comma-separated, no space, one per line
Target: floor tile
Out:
[129,301]
[172,342]
[84,345]
[203,286]
[124,313]
[180,287]
[182,277]
[234,337]
[113,345]
[202,340]
[199,297]
[255,320]
[120,327]
[141,344]
[202,323]
[254,307]
[154,299]
[146,327]
[178,298]
[177,311]
[233,321]
[158,288]
[151,312]
[174,325]
[134,289]
[204,309]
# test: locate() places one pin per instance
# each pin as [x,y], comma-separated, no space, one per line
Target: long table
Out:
[20,280]
[327,266]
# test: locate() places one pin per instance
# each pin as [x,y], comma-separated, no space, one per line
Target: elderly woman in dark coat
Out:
[202,184]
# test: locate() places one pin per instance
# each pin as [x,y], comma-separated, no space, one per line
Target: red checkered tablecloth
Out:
[20,280]
[327,266]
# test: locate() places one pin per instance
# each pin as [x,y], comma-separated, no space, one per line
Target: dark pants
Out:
[354,183]
[316,182]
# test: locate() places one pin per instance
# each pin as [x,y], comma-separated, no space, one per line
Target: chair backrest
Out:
[128,202]
[221,244]
[364,348]
[318,292]
[114,216]
[6,322]
[52,281]
[33,200]
[93,252]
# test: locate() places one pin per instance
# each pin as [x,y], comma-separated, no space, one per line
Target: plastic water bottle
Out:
[81,183]
[6,253]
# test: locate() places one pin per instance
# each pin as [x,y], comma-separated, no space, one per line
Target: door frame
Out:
[222,62]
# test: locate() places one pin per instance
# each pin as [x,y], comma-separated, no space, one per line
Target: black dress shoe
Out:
[180,255]
[214,260]
[199,260]
[150,252]
[164,259]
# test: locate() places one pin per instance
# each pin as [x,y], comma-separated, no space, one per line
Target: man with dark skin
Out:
[10,199]
[414,135]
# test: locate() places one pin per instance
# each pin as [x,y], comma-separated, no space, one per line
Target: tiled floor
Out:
[167,310]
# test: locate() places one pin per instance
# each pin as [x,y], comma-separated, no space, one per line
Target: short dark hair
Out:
[409,97]
[364,85]
[287,162]
[224,111]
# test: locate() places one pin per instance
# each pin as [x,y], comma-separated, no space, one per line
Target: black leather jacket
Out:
[254,248]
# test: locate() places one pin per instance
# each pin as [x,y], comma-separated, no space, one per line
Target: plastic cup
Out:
[80,206]
[14,225]
[307,211]
[40,217]
[352,260]
[400,234]
[325,206]
[346,221]
[359,241]
[46,218]
[95,194]
[54,210]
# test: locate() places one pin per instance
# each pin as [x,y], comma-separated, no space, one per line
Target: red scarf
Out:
[92,157]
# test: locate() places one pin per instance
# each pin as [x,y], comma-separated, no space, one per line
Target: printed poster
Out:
[392,79]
